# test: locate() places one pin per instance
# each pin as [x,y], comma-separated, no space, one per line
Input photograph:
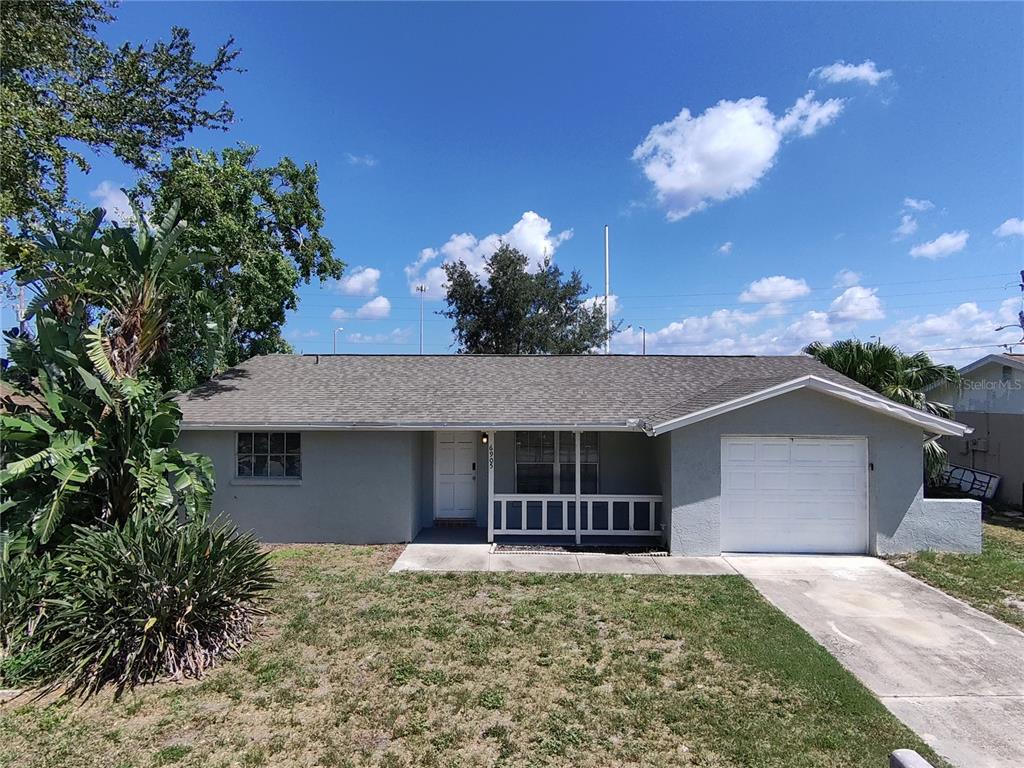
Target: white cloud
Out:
[531,235]
[907,227]
[857,303]
[729,332]
[115,202]
[366,160]
[774,289]
[842,72]
[845,278]
[297,334]
[945,244]
[375,309]
[694,161]
[613,303]
[915,204]
[397,336]
[340,314]
[725,248]
[807,115]
[1009,228]
[363,281]
[962,326]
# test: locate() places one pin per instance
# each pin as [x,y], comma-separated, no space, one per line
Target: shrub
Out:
[151,597]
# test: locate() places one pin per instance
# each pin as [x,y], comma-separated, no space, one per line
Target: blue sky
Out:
[887,202]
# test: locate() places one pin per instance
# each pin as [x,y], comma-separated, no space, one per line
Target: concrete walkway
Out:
[440,552]
[951,673]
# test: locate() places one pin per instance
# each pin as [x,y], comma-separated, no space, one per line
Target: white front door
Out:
[455,476]
[794,494]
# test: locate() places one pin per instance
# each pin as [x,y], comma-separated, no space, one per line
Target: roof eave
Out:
[630,425]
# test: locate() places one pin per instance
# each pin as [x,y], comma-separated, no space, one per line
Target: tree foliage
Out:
[900,377]
[517,312]
[63,89]
[85,434]
[263,224]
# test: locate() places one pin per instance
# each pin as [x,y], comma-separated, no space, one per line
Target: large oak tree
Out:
[515,311]
[65,92]
[263,223]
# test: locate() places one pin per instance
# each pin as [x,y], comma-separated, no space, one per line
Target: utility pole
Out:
[22,325]
[607,292]
[643,340]
[335,338]
[422,291]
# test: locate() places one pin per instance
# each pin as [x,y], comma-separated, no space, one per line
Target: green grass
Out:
[357,668]
[992,581]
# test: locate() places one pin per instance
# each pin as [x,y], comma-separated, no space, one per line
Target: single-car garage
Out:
[794,494]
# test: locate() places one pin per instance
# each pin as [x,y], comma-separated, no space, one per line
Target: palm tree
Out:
[900,377]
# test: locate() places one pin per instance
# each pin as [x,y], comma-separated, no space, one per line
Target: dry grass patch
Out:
[358,668]
[992,581]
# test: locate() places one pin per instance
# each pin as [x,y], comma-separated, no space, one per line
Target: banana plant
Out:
[127,277]
[85,434]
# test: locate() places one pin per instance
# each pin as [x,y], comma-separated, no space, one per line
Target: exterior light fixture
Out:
[483,438]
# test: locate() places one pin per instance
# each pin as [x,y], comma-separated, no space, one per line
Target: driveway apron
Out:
[951,673]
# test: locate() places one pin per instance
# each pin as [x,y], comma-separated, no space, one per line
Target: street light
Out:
[422,291]
[335,338]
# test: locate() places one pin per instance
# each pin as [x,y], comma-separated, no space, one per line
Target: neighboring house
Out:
[708,454]
[991,399]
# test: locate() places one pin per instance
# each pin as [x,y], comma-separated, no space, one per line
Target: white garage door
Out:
[794,494]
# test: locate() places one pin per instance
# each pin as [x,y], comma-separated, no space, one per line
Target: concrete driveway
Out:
[951,673]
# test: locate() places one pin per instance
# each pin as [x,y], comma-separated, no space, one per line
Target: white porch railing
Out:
[533,514]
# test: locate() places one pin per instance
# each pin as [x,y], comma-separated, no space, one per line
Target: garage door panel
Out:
[741,450]
[794,494]
[742,480]
[845,452]
[772,480]
[773,451]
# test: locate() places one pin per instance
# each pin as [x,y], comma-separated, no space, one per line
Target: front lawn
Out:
[359,668]
[992,581]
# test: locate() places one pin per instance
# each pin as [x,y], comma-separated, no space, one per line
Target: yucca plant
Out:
[150,597]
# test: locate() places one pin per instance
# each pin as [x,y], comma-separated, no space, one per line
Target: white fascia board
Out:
[212,426]
[933,424]
[998,359]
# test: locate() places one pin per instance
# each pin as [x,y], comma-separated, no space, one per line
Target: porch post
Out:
[579,510]
[490,487]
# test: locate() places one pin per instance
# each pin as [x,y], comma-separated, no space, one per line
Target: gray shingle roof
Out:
[481,390]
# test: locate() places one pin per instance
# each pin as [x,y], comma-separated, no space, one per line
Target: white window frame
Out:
[556,467]
[267,479]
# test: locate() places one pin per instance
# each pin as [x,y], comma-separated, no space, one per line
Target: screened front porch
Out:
[573,485]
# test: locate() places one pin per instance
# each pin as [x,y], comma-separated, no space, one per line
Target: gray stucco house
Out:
[990,398]
[708,454]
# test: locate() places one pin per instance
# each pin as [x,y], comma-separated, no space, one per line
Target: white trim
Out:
[875,402]
[577,439]
[490,487]
[437,475]
[326,426]
[277,480]
[995,358]
[503,499]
